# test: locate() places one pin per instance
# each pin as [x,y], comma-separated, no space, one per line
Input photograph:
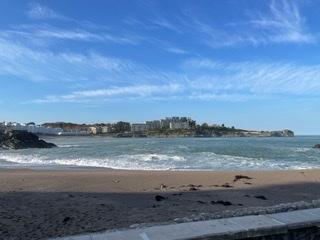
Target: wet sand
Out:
[38,204]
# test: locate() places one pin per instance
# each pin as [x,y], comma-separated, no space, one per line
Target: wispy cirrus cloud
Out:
[161,22]
[92,77]
[130,92]
[254,78]
[282,23]
[101,77]
[45,31]
[38,11]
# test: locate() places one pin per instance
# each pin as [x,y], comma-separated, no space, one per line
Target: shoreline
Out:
[39,204]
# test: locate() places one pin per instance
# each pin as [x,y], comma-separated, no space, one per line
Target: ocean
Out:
[170,153]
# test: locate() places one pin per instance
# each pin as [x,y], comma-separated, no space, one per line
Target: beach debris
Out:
[162,186]
[226,185]
[239,177]
[224,203]
[66,219]
[159,198]
[193,189]
[261,197]
[192,185]
[116,181]
[248,183]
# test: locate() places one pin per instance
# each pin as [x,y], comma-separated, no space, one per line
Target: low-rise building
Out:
[139,127]
[179,125]
[93,130]
[106,129]
[153,125]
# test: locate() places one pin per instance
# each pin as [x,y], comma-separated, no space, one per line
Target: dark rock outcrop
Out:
[317,146]
[22,139]
[283,133]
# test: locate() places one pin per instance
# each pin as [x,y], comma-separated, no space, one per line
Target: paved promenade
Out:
[228,228]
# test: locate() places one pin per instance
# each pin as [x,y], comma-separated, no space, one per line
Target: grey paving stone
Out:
[118,235]
[194,229]
[81,237]
[314,211]
[256,222]
[296,217]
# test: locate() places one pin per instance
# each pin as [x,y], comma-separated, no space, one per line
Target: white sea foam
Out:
[159,154]
[302,149]
[129,162]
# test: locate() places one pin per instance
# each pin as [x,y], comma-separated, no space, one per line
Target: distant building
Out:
[153,125]
[179,125]
[32,128]
[165,123]
[74,133]
[106,129]
[2,127]
[139,127]
[93,130]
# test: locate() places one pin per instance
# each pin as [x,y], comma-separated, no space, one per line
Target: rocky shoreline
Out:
[22,140]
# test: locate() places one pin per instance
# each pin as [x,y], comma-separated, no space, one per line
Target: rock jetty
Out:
[317,146]
[21,140]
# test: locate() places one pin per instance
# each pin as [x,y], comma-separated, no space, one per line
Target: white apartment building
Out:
[153,125]
[179,125]
[139,127]
[106,129]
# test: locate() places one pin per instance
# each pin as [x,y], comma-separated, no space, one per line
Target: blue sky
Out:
[250,63]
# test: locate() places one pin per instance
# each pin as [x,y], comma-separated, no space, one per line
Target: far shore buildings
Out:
[173,123]
[31,127]
[64,129]
[139,127]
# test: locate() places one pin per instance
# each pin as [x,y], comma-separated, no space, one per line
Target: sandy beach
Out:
[38,204]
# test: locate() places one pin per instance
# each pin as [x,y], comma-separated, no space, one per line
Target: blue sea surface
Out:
[170,153]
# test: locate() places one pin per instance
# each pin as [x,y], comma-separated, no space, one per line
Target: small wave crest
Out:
[152,161]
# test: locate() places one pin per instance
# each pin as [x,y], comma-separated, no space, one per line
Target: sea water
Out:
[170,153]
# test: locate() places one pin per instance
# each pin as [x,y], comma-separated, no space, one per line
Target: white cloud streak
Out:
[282,23]
[44,32]
[99,78]
[103,78]
[38,11]
[253,78]
[135,91]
